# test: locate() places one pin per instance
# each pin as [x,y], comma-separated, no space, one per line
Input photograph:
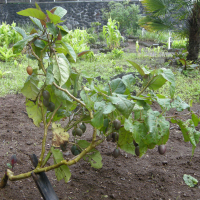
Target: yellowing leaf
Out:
[59,135]
[34,112]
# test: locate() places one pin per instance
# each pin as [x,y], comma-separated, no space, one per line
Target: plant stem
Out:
[74,98]
[43,146]
[46,159]
[74,124]
[4,180]
[145,87]
[94,135]
[103,94]
[39,59]
[163,111]
[12,177]
[66,91]
[45,134]
[174,116]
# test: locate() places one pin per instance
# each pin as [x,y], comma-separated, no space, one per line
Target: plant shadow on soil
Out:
[153,176]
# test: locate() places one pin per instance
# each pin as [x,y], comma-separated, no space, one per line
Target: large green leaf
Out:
[69,50]
[32,12]
[37,22]
[20,31]
[158,128]
[157,82]
[172,89]
[63,28]
[106,106]
[19,46]
[93,157]
[87,100]
[61,69]
[189,132]
[97,121]
[116,86]
[129,148]
[160,76]
[30,89]
[54,18]
[169,76]
[39,43]
[125,141]
[164,103]
[34,112]
[83,144]
[109,108]
[142,71]
[124,106]
[61,12]
[179,104]
[49,75]
[37,6]
[139,131]
[99,105]
[63,171]
[195,119]
[52,29]
[129,80]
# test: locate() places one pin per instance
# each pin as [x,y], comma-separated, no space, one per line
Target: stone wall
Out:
[79,13]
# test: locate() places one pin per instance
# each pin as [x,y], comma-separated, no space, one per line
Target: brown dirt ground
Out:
[152,177]
[128,177]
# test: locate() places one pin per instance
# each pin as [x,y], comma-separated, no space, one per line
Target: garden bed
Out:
[128,177]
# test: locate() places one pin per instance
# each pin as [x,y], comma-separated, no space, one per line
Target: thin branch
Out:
[103,94]
[39,59]
[175,116]
[43,146]
[45,136]
[34,53]
[73,97]
[94,135]
[46,158]
[145,87]
[12,177]
[74,124]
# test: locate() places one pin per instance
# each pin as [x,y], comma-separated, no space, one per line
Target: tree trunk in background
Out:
[194,34]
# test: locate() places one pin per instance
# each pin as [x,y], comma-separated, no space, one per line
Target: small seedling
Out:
[13,160]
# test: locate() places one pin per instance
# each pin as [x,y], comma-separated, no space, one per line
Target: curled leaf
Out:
[189,180]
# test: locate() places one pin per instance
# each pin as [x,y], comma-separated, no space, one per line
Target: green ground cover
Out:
[105,66]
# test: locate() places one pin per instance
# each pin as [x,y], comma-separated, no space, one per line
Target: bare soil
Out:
[152,177]
[128,177]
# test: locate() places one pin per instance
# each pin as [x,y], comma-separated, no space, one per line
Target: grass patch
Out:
[106,66]
[187,87]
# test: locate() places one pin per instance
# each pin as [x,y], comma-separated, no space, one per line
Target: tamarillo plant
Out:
[113,112]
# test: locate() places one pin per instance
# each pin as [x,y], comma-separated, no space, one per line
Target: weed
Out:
[126,14]
[78,39]
[112,34]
